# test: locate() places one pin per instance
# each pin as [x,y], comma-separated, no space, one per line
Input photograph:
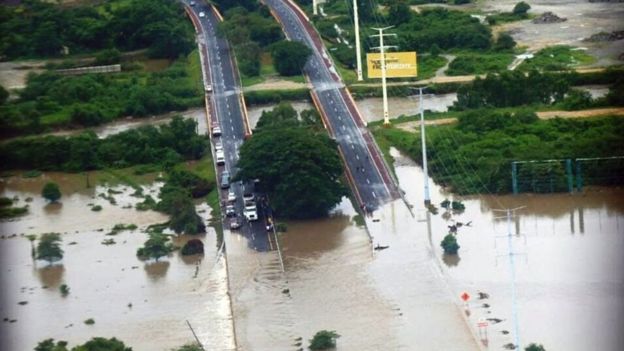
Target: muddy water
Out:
[327,265]
[372,108]
[145,304]
[569,281]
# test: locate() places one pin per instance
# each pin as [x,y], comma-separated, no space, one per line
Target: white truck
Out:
[251,211]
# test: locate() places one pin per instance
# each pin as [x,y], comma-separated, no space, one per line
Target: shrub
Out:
[521,8]
[450,245]
[64,289]
[323,340]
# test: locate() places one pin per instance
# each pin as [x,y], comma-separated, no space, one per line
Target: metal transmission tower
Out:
[382,55]
[358,54]
[509,213]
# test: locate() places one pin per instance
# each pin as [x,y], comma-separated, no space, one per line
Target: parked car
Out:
[202,14]
[216,130]
[230,211]
[220,157]
[231,196]
[235,223]
[218,145]
[192,3]
[225,180]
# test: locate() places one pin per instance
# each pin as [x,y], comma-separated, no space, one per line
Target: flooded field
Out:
[569,285]
[142,303]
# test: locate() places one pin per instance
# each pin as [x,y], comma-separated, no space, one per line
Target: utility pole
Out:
[358,54]
[509,213]
[314,7]
[382,49]
[424,146]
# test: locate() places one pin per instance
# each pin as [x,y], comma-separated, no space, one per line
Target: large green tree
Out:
[156,246]
[51,192]
[298,167]
[289,57]
[49,247]
[399,12]
[534,347]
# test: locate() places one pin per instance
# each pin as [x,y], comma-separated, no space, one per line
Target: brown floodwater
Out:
[145,304]
[568,268]
[372,108]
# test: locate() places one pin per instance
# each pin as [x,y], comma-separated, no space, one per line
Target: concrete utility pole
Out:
[424,147]
[382,49]
[358,53]
[314,7]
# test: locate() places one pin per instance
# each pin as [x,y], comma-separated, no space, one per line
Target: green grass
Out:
[194,70]
[204,168]
[428,65]
[557,58]
[249,81]
[57,118]
[506,17]
[474,63]
[267,70]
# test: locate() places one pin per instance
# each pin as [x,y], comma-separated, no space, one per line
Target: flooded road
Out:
[145,304]
[569,282]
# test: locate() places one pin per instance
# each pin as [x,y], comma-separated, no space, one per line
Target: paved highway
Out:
[226,110]
[369,175]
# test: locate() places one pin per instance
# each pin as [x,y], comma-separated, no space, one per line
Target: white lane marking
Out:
[353,146]
[357,156]
[343,127]
[234,136]
[367,181]
[232,128]
[375,196]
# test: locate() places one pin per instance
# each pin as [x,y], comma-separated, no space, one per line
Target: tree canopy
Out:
[289,57]
[49,247]
[445,28]
[40,28]
[298,167]
[166,145]
[51,192]
[95,344]
[512,88]
[156,246]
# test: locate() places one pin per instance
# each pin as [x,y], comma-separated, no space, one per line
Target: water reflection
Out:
[51,276]
[53,208]
[156,270]
[451,260]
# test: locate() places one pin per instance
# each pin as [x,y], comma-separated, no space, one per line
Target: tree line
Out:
[165,145]
[36,28]
[93,99]
[475,155]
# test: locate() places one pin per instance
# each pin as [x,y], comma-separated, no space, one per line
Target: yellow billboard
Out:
[398,64]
